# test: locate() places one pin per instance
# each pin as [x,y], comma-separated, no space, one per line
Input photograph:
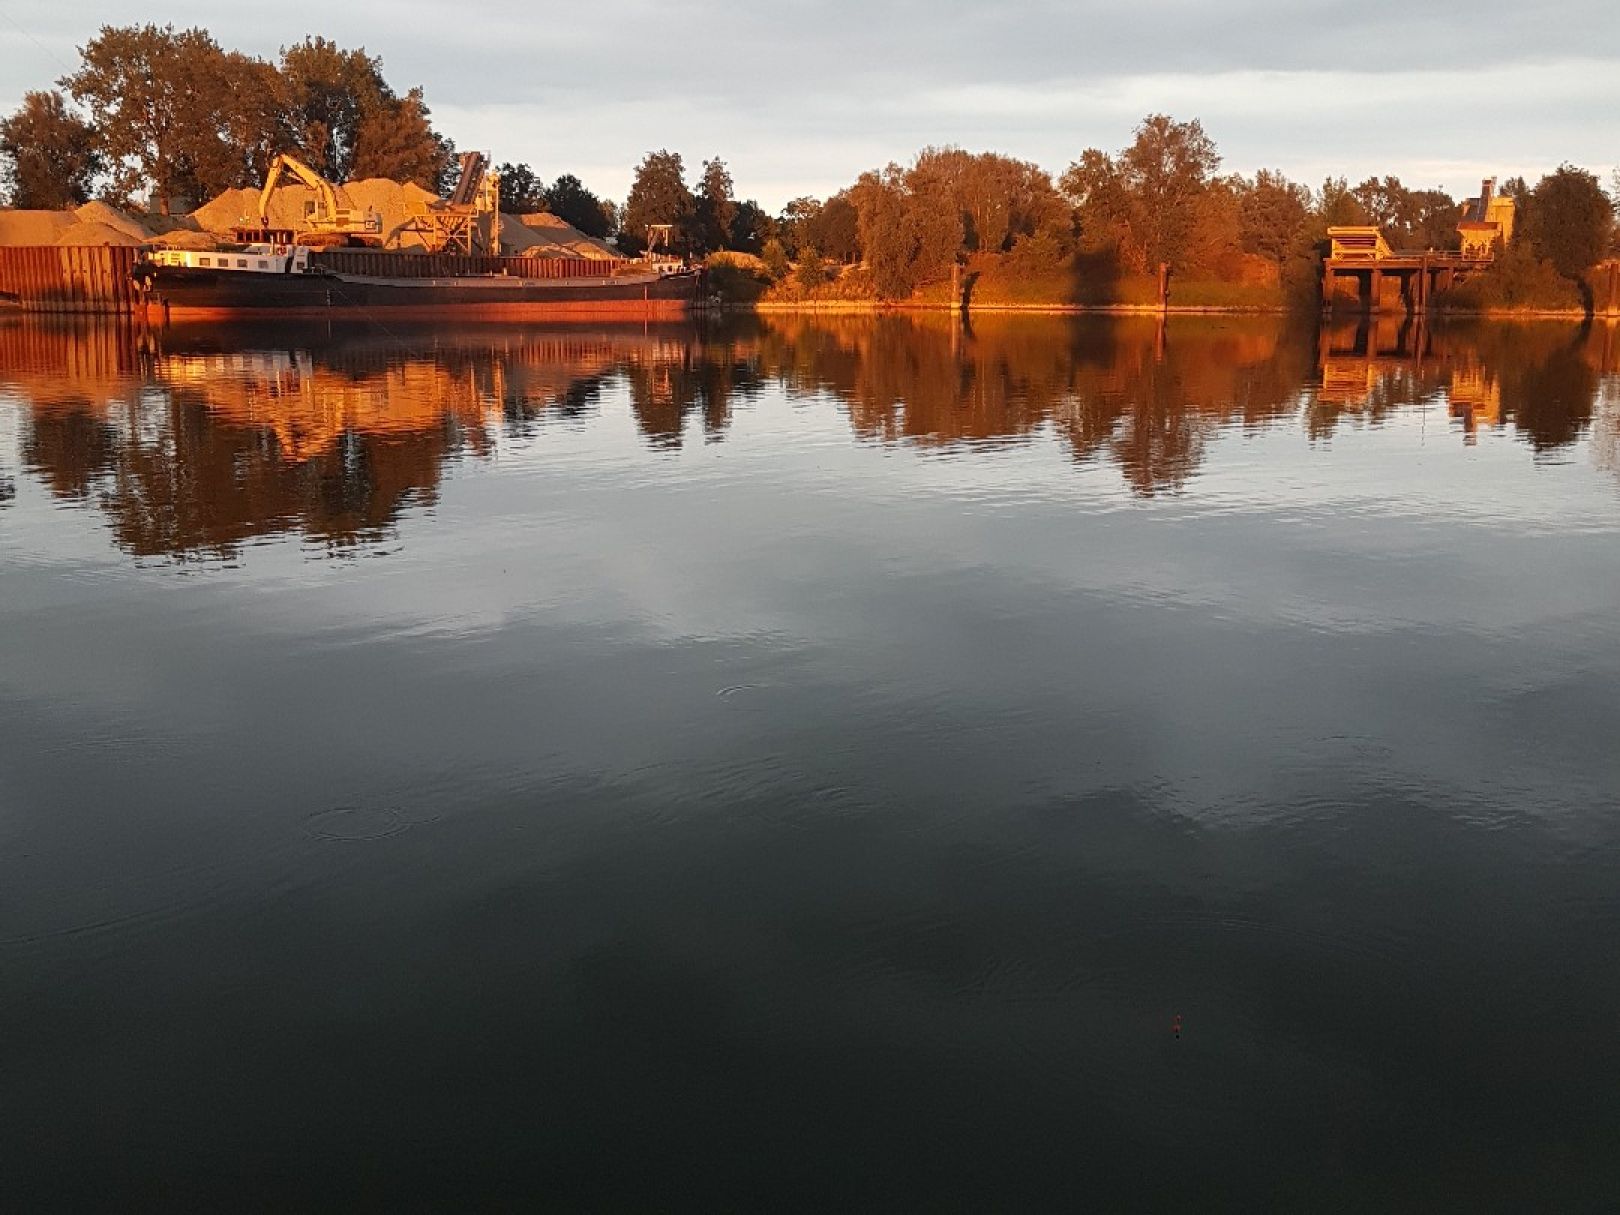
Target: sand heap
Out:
[398,205]
[289,205]
[33,227]
[95,223]
[542,233]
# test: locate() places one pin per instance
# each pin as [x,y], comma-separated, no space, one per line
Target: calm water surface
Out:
[811,765]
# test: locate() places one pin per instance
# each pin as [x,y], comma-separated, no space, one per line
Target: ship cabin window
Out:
[241,263]
[204,261]
[263,265]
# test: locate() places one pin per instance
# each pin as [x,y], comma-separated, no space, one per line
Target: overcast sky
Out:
[799,96]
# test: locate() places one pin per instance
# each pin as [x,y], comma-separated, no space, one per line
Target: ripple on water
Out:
[357,824]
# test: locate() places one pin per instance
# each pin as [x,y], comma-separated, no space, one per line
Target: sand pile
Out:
[290,205]
[97,233]
[95,223]
[186,238]
[34,227]
[542,232]
[111,217]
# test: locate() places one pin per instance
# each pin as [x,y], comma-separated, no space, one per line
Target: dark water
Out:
[810,766]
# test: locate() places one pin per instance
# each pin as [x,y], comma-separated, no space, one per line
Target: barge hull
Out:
[188,294]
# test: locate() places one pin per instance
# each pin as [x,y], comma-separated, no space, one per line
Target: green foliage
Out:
[811,271]
[908,226]
[1519,279]
[790,224]
[1570,220]
[49,159]
[397,141]
[737,278]
[775,258]
[176,115]
[658,196]
[1409,219]
[1338,207]
[751,227]
[329,92]
[715,206]
[569,200]
[1145,201]
[1272,212]
[834,229]
[158,100]
[522,192]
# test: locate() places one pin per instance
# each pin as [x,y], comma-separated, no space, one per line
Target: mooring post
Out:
[1164,286]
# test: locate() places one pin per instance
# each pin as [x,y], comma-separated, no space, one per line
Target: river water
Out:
[811,764]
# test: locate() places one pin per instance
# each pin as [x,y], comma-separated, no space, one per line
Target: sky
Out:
[800,96]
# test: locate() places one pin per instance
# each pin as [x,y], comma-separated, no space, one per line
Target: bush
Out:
[1517,280]
[775,260]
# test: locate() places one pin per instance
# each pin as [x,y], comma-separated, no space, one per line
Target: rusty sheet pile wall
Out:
[95,278]
[445,265]
[69,278]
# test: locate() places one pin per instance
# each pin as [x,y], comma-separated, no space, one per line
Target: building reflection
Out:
[192,444]
[191,449]
[1543,378]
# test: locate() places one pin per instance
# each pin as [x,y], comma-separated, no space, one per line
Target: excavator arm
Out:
[327,205]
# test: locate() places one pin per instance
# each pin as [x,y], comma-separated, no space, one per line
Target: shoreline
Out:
[878,307]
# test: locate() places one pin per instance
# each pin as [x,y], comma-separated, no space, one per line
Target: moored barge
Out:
[267,281]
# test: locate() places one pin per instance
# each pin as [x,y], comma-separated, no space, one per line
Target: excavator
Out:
[326,221]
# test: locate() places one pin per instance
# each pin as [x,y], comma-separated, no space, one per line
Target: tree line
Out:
[1160,199]
[171,114]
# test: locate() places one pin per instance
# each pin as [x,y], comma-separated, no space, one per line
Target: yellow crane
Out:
[326,220]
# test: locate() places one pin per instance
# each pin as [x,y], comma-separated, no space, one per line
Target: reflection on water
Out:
[809,763]
[1544,380]
[194,443]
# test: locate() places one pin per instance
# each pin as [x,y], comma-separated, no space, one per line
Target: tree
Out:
[910,230]
[1570,220]
[657,196]
[811,271]
[329,93]
[397,141]
[716,206]
[521,190]
[153,96]
[776,260]
[1337,206]
[1144,203]
[50,158]
[569,200]
[751,227]
[1104,209]
[1271,213]
[790,224]
[834,229]
[1166,169]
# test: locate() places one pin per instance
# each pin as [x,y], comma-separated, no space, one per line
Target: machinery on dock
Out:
[327,221]
[469,221]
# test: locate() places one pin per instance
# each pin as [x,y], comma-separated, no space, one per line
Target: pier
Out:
[1416,278]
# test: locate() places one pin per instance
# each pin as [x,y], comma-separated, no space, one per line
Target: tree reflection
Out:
[1543,378]
[193,443]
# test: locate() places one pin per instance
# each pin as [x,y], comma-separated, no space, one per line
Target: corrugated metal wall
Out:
[69,278]
[446,265]
[51,278]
